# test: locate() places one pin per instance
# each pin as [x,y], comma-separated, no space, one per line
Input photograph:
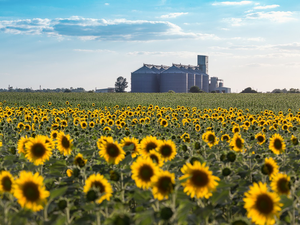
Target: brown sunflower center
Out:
[150,146]
[38,150]
[199,178]
[239,143]
[269,168]
[225,138]
[264,204]
[146,172]
[99,185]
[112,150]
[260,139]
[166,151]
[31,191]
[65,142]
[165,184]
[211,138]
[6,183]
[154,158]
[283,185]
[54,135]
[277,144]
[236,130]
[80,162]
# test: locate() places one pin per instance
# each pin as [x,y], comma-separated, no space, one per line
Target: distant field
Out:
[254,102]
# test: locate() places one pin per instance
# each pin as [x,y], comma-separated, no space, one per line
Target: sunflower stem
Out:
[122,188]
[98,218]
[46,212]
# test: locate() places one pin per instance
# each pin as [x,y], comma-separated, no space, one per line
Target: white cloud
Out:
[101,29]
[267,7]
[106,3]
[233,3]
[276,16]
[173,15]
[235,22]
[94,50]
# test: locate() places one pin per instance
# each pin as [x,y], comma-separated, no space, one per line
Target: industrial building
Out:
[179,78]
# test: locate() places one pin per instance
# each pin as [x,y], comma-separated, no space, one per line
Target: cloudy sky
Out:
[75,43]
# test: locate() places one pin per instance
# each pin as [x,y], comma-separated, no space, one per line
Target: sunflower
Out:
[54,134]
[142,171]
[101,185]
[210,138]
[262,206]
[270,168]
[37,150]
[277,144]
[200,181]
[162,184]
[236,129]
[156,158]
[83,124]
[281,184]
[111,151]
[21,144]
[225,137]
[92,124]
[185,137]
[167,149]
[147,144]
[79,160]
[133,143]
[30,191]
[294,140]
[164,122]
[261,138]
[64,143]
[237,143]
[6,182]
[197,127]
[69,172]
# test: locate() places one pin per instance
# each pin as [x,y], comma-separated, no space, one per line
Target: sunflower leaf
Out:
[58,192]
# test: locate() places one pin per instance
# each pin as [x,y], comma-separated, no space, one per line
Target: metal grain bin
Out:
[191,76]
[205,82]
[174,79]
[145,80]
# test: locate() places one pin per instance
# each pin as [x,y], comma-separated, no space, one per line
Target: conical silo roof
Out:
[173,69]
[144,69]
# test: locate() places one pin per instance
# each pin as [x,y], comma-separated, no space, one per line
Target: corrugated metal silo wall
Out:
[144,82]
[191,81]
[205,83]
[177,82]
[199,81]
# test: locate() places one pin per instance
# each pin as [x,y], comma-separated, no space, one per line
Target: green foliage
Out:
[248,90]
[195,89]
[121,84]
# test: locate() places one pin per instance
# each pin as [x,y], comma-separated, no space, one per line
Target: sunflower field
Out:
[160,159]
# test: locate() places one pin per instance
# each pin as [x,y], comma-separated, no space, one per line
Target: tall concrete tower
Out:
[203,63]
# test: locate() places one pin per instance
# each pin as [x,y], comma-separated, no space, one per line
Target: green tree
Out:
[195,89]
[121,84]
[248,90]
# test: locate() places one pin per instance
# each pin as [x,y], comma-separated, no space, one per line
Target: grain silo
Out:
[213,84]
[198,76]
[203,63]
[205,79]
[174,79]
[145,79]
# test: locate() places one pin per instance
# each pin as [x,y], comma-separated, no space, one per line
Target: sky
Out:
[89,44]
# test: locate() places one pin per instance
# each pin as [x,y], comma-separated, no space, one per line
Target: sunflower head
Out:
[167,150]
[6,182]
[277,144]
[200,181]
[237,143]
[96,185]
[79,160]
[30,191]
[111,151]
[64,143]
[147,144]
[281,184]
[142,171]
[38,150]
[262,206]
[163,184]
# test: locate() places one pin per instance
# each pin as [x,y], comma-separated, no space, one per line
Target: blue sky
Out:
[72,43]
